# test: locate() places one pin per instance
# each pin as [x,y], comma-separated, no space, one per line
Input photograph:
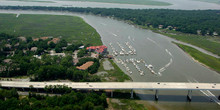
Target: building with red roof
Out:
[99,49]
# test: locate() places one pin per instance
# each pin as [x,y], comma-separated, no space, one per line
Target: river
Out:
[176,4]
[155,49]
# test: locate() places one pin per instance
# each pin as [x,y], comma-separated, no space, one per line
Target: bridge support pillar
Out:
[112,93]
[132,94]
[156,95]
[23,89]
[189,95]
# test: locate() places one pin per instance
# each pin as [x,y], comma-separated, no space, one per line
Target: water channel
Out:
[166,58]
[176,4]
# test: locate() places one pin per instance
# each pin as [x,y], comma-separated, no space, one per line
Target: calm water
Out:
[177,4]
[157,50]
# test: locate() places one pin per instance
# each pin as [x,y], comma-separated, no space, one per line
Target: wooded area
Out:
[9,100]
[21,61]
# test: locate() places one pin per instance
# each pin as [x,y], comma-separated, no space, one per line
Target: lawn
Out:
[136,2]
[208,43]
[125,104]
[208,60]
[115,75]
[73,29]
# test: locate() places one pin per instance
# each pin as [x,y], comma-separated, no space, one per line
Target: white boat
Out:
[152,71]
[121,53]
[127,60]
[150,66]
[159,73]
[146,65]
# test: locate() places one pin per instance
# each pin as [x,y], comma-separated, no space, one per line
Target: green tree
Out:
[82,52]
[58,49]
[52,45]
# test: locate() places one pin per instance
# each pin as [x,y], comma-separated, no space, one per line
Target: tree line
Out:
[186,21]
[9,100]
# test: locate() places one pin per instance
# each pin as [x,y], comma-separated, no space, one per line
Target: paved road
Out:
[118,85]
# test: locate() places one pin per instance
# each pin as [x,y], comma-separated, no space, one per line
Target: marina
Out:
[133,61]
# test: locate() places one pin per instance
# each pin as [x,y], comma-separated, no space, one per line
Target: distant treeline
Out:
[186,21]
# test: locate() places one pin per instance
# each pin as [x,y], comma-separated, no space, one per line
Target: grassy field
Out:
[116,75]
[208,43]
[125,104]
[137,2]
[210,1]
[208,60]
[73,29]
[200,41]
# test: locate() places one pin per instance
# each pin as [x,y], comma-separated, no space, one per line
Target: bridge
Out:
[119,86]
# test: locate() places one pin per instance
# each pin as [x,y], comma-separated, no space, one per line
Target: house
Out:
[35,39]
[53,53]
[54,40]
[169,27]
[160,26]
[44,38]
[8,61]
[98,49]
[215,34]
[22,39]
[37,56]
[81,47]
[8,46]
[85,66]
[33,49]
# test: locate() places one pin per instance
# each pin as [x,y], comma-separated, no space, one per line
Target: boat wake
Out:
[153,42]
[166,66]
[114,34]
[169,52]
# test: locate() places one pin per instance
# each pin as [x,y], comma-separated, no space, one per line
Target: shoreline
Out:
[202,64]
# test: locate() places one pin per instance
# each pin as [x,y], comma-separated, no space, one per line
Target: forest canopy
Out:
[9,100]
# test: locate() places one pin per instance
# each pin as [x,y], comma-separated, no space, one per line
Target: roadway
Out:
[118,85]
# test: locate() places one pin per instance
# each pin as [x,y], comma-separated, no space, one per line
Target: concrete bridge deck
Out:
[118,85]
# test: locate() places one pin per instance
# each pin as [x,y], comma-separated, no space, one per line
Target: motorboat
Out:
[150,66]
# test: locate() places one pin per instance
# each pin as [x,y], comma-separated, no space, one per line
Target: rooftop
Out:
[54,40]
[98,49]
[85,66]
